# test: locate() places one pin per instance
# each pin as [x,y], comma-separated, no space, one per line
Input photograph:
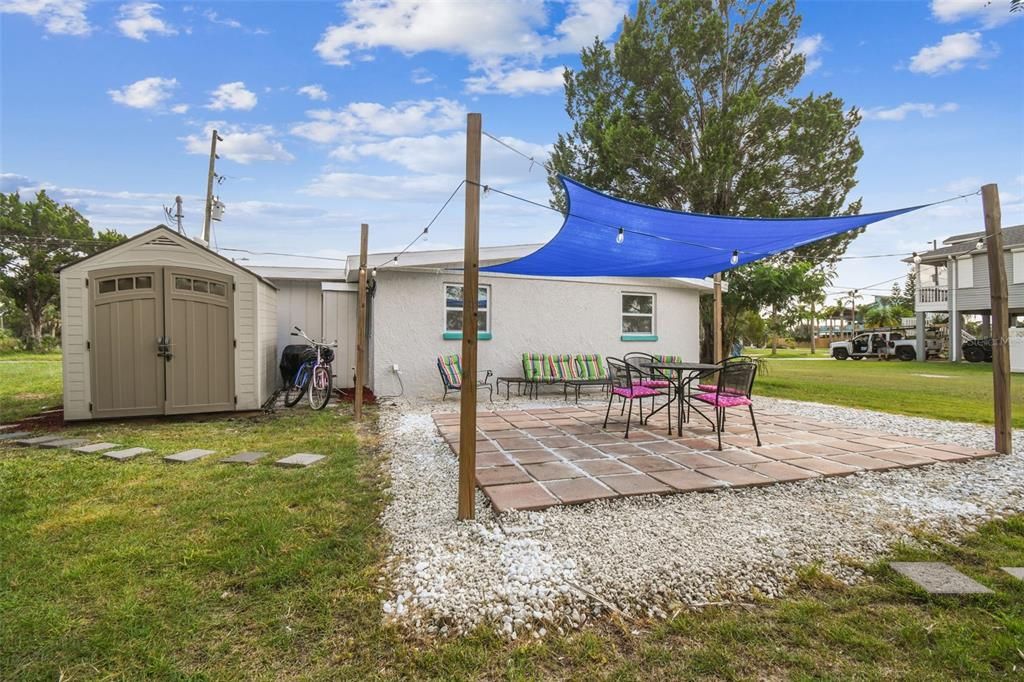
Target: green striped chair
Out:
[590,370]
[450,367]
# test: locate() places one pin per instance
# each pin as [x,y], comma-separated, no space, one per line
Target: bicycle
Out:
[313,373]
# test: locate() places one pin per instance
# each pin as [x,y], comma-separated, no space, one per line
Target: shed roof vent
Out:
[162,240]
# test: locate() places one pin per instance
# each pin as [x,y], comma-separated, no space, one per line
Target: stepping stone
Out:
[938,578]
[123,455]
[244,458]
[1017,573]
[96,447]
[65,443]
[188,455]
[13,435]
[38,440]
[302,459]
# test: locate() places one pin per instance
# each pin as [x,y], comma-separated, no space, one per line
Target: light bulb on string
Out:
[917,259]
[735,257]
[373,272]
[981,244]
[621,236]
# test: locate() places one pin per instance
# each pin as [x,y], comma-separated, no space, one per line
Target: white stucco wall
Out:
[528,315]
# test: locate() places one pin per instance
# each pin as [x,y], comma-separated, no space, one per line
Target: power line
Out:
[523,154]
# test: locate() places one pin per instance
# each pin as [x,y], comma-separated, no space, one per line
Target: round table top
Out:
[679,365]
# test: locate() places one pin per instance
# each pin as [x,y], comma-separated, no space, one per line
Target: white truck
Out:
[883,344]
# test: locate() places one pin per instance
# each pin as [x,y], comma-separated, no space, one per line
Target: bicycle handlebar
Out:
[312,341]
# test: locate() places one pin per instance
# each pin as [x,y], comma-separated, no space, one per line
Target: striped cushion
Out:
[451,369]
[591,367]
[563,367]
[536,367]
[667,358]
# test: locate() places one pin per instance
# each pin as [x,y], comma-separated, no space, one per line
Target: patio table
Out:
[685,373]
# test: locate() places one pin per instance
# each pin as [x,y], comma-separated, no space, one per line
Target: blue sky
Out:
[340,113]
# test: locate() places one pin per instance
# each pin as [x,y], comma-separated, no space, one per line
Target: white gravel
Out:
[528,573]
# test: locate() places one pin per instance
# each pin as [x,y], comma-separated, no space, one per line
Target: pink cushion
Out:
[723,399]
[707,388]
[655,383]
[635,392]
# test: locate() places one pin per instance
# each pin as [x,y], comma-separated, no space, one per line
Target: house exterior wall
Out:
[164,249]
[299,303]
[542,315]
[974,294]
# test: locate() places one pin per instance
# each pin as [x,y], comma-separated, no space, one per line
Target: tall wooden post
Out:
[357,403]
[719,351]
[814,327]
[1000,317]
[470,300]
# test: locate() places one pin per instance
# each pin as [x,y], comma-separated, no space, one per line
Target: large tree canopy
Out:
[36,238]
[693,108]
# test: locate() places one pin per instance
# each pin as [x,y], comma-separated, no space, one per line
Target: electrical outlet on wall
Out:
[394,368]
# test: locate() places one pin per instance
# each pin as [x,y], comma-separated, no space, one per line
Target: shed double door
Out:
[162,341]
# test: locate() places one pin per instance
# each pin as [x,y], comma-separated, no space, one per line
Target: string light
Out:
[373,272]
[980,244]
[621,236]
[735,257]
[917,259]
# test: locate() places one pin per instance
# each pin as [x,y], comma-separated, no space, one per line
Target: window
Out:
[183,283]
[637,314]
[144,282]
[108,286]
[453,302]
[965,273]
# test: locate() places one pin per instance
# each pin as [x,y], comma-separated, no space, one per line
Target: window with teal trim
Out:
[637,314]
[453,307]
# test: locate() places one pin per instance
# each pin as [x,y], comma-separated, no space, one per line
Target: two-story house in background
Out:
[954,280]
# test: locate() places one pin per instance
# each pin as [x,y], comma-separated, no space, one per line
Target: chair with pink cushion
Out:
[627,387]
[733,388]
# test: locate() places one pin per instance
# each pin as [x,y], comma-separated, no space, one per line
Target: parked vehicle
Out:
[977,350]
[883,344]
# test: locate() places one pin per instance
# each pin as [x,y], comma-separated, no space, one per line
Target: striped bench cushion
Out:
[451,369]
[563,367]
[591,367]
[536,367]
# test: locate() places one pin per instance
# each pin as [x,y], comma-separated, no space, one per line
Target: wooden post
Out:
[357,403]
[719,351]
[1000,317]
[214,137]
[470,299]
[814,326]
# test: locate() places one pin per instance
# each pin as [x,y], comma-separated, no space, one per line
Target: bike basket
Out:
[292,358]
[327,355]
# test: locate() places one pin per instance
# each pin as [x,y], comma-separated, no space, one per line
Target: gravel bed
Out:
[530,573]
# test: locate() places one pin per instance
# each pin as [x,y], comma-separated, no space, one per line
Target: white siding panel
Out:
[74,301]
[965,273]
[267,321]
[1017,267]
[246,384]
[341,310]
[529,315]
[299,304]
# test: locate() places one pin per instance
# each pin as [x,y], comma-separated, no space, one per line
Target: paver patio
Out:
[539,458]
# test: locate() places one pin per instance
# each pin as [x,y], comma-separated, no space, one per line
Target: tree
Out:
[885,315]
[36,238]
[692,109]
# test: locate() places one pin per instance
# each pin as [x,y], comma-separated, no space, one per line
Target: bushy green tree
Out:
[36,238]
[693,108]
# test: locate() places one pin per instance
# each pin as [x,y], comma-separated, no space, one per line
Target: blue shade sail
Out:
[658,242]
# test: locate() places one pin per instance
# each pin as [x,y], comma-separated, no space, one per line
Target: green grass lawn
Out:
[29,382]
[960,392]
[206,572]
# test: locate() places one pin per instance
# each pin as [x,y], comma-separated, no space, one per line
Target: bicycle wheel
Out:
[293,394]
[320,387]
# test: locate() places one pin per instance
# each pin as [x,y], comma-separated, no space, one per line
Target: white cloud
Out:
[951,54]
[504,40]
[990,12]
[421,76]
[240,144]
[59,17]
[899,113]
[138,19]
[810,47]
[381,187]
[180,108]
[215,18]
[314,92]
[516,81]
[445,154]
[232,96]
[363,120]
[148,93]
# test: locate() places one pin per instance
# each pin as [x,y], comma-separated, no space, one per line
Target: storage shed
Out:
[162,325]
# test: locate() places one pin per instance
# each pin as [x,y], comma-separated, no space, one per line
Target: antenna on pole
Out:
[211,174]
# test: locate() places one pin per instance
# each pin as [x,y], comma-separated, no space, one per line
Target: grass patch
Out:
[29,382]
[963,393]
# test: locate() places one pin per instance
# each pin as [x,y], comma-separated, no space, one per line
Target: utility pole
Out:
[814,327]
[470,302]
[361,325]
[210,175]
[1000,317]
[178,215]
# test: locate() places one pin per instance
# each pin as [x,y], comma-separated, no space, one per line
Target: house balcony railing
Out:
[932,295]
